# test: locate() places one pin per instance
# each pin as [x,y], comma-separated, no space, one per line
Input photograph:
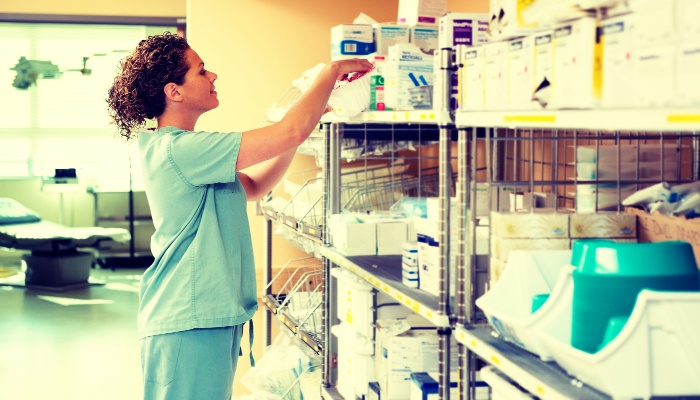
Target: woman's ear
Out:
[172,92]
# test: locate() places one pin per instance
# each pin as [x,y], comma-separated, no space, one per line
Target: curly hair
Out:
[137,92]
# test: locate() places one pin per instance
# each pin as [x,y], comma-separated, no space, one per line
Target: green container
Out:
[609,277]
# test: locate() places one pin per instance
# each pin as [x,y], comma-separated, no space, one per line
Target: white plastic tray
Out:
[657,353]
[508,304]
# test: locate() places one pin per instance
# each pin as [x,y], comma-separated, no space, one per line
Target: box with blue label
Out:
[351,40]
[425,386]
[402,347]
[399,77]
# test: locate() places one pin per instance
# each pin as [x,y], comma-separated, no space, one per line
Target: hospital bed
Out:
[56,258]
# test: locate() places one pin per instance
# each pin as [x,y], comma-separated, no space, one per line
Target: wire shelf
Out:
[296,295]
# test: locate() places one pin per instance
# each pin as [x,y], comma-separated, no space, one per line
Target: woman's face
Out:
[198,87]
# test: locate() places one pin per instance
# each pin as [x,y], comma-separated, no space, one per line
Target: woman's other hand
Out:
[353,68]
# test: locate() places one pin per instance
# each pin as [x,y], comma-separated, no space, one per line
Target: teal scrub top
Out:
[203,275]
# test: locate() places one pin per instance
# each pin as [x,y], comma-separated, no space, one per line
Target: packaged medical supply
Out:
[496,58]
[542,68]
[408,52]
[425,37]
[351,40]
[401,75]
[521,81]
[473,76]
[576,81]
[620,86]
[386,35]
[506,19]
[421,12]
[462,28]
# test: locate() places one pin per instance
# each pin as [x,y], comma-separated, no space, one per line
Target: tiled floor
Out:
[72,352]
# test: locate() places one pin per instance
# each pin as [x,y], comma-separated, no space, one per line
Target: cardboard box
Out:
[462,29]
[543,66]
[353,238]
[656,68]
[390,236]
[620,86]
[658,22]
[501,248]
[408,52]
[576,79]
[603,225]
[399,76]
[386,35]
[421,12]
[528,200]
[688,74]
[355,363]
[521,78]
[425,37]
[509,21]
[527,225]
[351,40]
[496,94]
[472,78]
[400,351]
[659,228]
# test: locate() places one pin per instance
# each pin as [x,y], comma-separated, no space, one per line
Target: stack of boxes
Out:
[645,53]
[357,312]
[626,162]
[548,230]
[403,52]
[404,347]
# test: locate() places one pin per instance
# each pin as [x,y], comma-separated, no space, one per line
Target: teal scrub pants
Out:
[191,365]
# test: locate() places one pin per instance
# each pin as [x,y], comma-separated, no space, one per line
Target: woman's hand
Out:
[351,69]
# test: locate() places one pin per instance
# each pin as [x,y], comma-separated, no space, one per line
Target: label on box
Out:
[425,38]
[376,93]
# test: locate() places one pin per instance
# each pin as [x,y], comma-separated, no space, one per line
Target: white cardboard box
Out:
[521,78]
[425,37]
[399,76]
[471,81]
[399,352]
[408,52]
[620,86]
[386,35]
[543,66]
[496,82]
[391,236]
[576,78]
[353,238]
[688,73]
[421,12]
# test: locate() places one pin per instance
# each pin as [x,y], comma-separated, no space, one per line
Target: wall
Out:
[150,8]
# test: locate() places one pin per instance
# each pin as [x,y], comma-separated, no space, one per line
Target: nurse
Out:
[201,289]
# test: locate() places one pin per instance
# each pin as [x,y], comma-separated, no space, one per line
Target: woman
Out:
[201,287]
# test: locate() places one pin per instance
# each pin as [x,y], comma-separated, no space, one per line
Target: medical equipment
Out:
[56,260]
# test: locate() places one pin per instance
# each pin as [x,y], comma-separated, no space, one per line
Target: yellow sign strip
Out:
[683,118]
[529,118]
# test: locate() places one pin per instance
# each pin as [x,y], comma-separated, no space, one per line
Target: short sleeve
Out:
[203,158]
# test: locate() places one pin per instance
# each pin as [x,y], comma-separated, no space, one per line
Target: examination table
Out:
[56,260]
